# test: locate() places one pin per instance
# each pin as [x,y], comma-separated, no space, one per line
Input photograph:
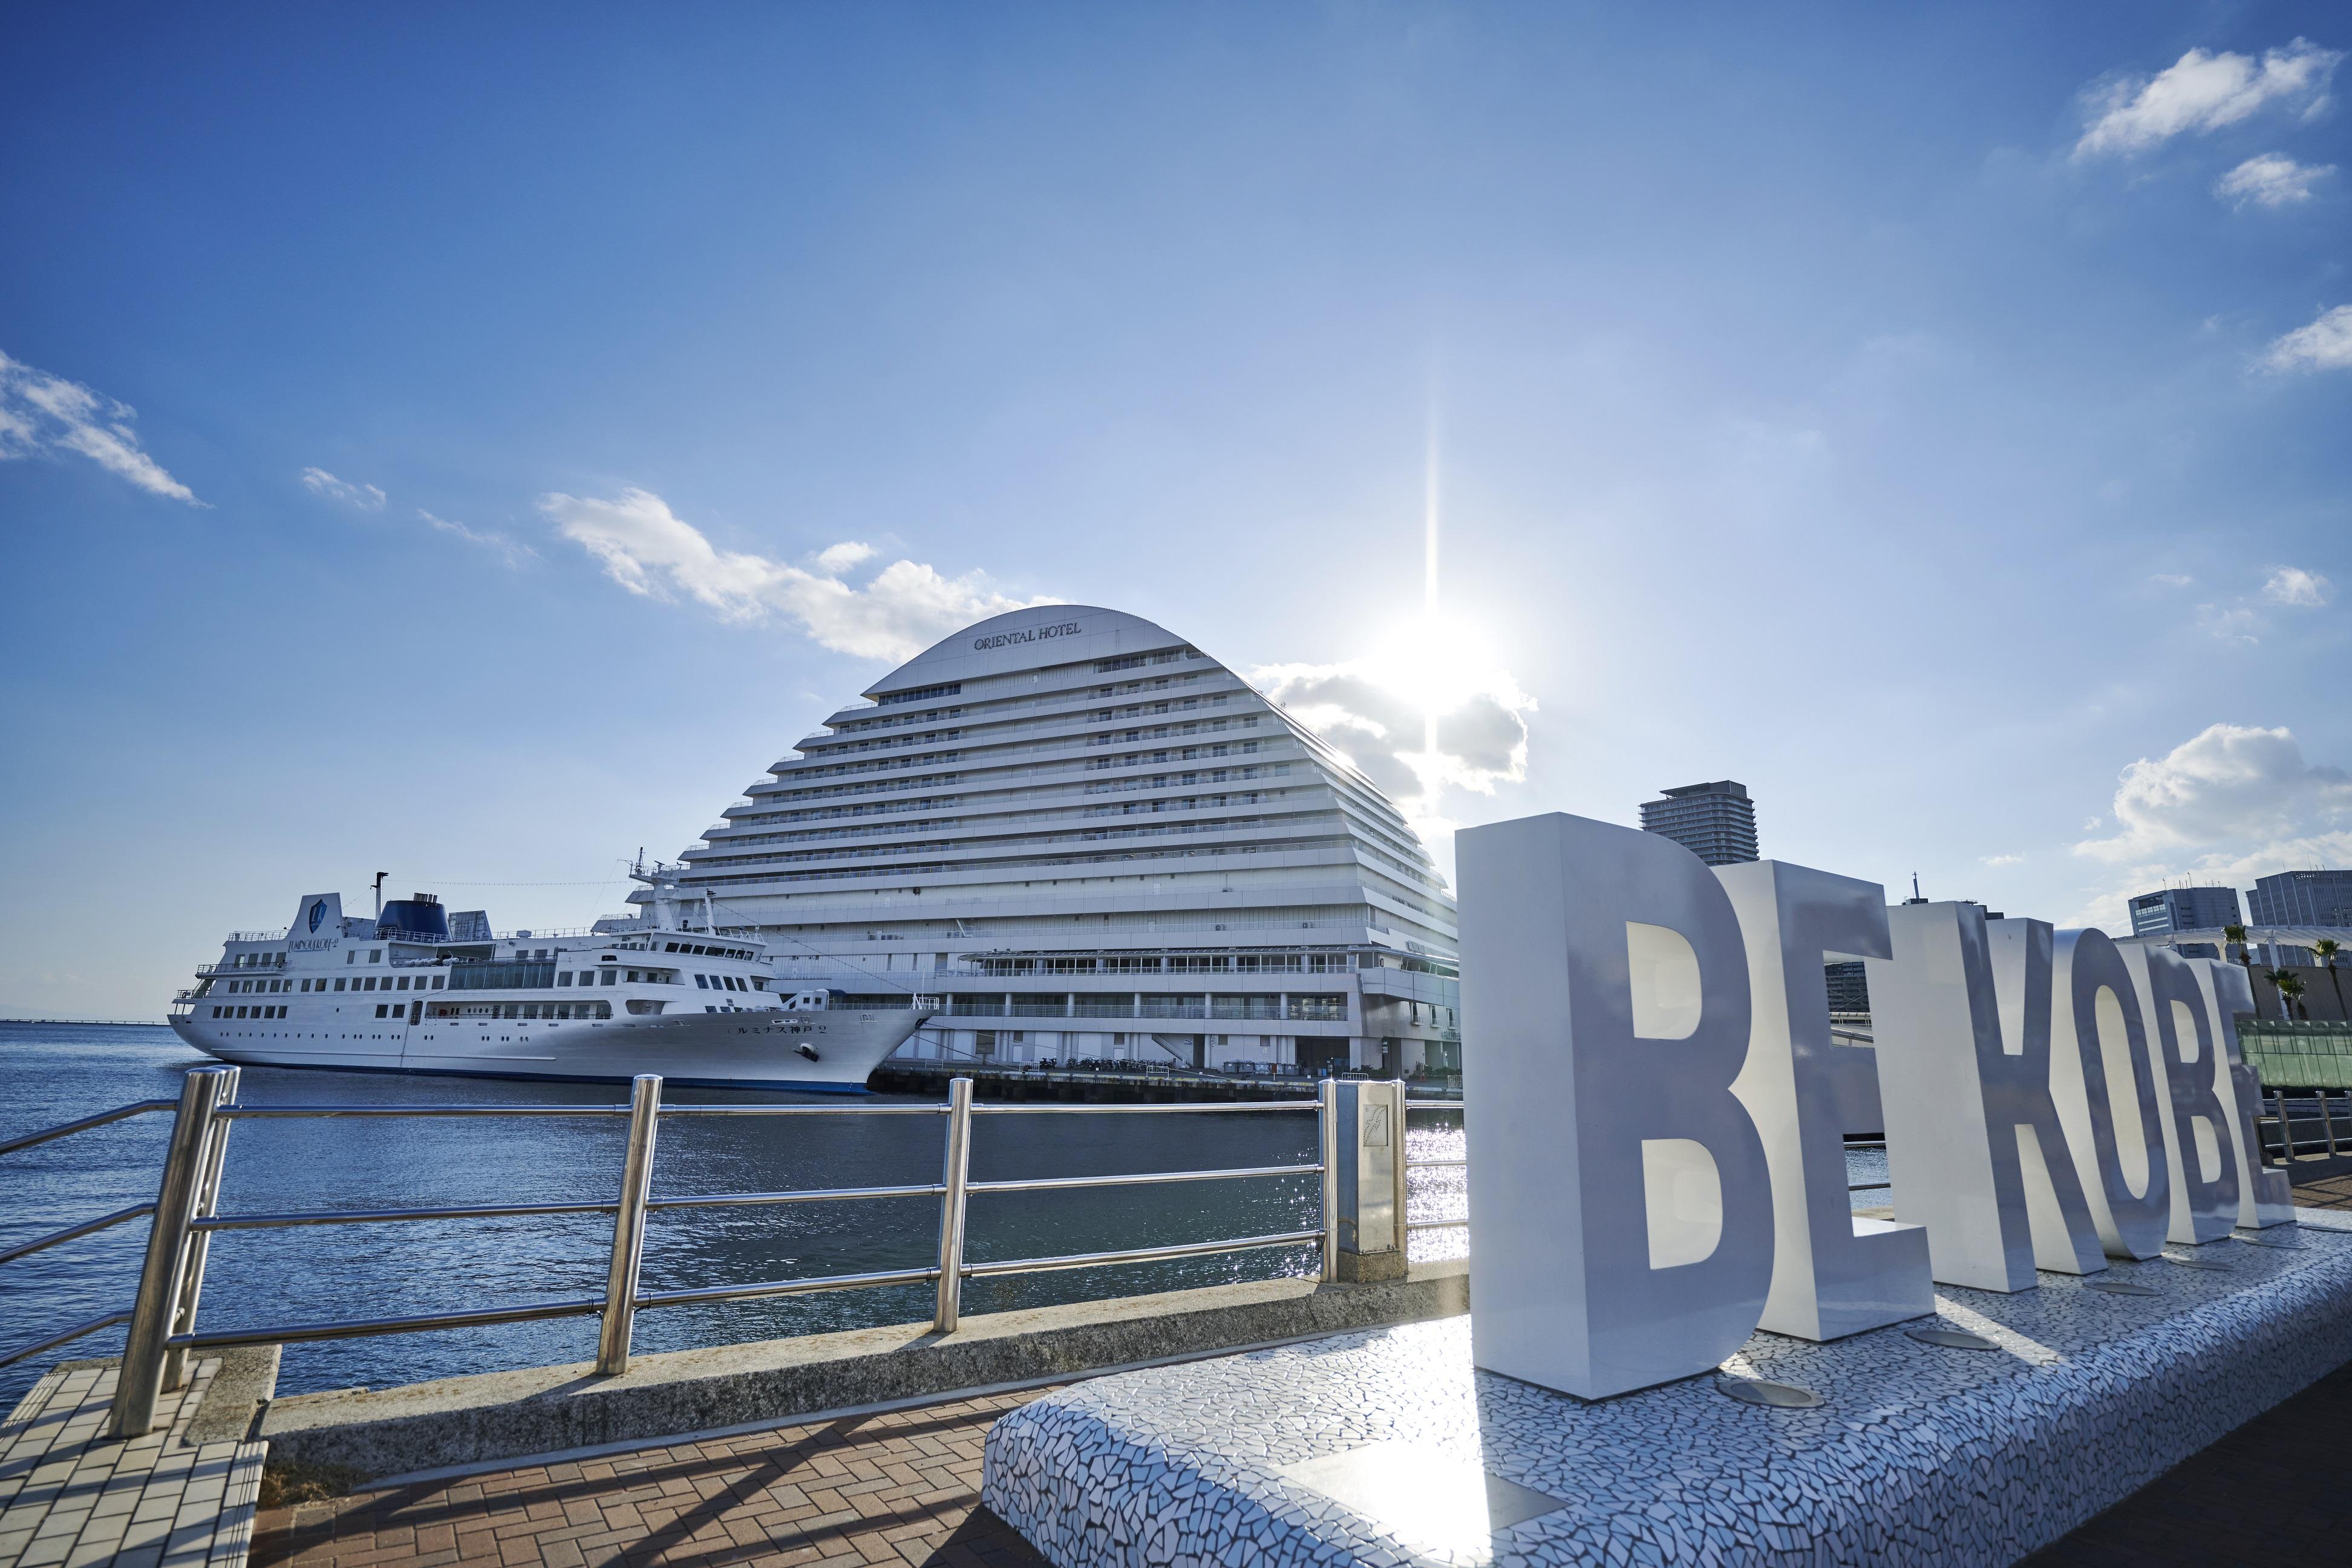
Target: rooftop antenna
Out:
[1914,898]
[380,876]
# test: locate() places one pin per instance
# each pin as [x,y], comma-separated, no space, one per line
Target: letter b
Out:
[1618,1190]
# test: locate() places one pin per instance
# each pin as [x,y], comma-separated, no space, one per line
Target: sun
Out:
[1436,661]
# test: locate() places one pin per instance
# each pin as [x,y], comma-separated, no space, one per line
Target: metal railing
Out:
[162,1318]
[2290,1146]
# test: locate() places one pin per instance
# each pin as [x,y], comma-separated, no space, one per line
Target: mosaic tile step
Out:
[1387,1448]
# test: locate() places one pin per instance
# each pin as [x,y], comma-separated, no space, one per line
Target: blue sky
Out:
[472,443]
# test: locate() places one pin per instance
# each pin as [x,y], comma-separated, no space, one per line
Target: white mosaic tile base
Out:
[1920,1454]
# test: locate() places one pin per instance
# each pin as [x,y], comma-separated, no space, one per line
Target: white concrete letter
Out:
[2265,1196]
[2104,1082]
[1618,1190]
[1833,1272]
[1973,1141]
[2180,1037]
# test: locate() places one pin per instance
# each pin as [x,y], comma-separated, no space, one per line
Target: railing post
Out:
[1401,1168]
[2327,1121]
[140,1382]
[192,1280]
[2287,1132]
[1367,1180]
[952,1177]
[1327,1124]
[629,1228]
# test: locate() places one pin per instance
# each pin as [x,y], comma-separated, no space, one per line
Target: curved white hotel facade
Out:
[1092,840]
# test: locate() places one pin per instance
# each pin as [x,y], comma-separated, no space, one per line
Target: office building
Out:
[1715,822]
[2184,909]
[1093,840]
[2301,898]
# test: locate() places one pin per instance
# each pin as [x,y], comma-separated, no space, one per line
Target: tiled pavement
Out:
[70,1498]
[898,1488]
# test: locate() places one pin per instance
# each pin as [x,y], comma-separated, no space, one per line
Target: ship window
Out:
[379,1009]
[611,976]
[702,982]
[438,982]
[375,955]
[633,977]
[402,984]
[339,982]
[565,978]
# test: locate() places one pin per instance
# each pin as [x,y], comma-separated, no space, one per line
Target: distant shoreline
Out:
[111,1023]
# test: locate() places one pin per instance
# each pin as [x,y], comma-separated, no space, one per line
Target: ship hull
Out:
[767,1050]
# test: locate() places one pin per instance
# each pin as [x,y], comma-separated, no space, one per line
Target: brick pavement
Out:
[901,1488]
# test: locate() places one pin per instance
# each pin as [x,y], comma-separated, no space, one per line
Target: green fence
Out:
[2297,1055]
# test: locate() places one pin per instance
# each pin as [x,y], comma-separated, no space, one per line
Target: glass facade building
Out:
[2302,899]
[1715,822]
[2184,909]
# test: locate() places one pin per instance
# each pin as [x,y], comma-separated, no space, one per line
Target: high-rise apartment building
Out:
[2184,909]
[1092,840]
[2301,898]
[1715,822]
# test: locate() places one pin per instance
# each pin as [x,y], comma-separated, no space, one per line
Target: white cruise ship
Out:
[405,992]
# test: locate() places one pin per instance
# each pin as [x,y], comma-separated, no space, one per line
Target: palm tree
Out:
[2278,979]
[2236,934]
[2290,986]
[2325,950]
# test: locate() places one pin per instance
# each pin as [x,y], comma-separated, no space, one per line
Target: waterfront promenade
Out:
[902,1486]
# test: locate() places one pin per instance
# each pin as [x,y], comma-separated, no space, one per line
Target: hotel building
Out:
[1092,840]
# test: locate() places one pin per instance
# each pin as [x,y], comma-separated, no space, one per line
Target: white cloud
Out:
[2271,180]
[1478,740]
[514,553]
[2003,859]
[2223,808]
[45,413]
[2231,791]
[2172,579]
[2232,623]
[649,549]
[2203,91]
[319,482]
[2324,345]
[2297,588]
